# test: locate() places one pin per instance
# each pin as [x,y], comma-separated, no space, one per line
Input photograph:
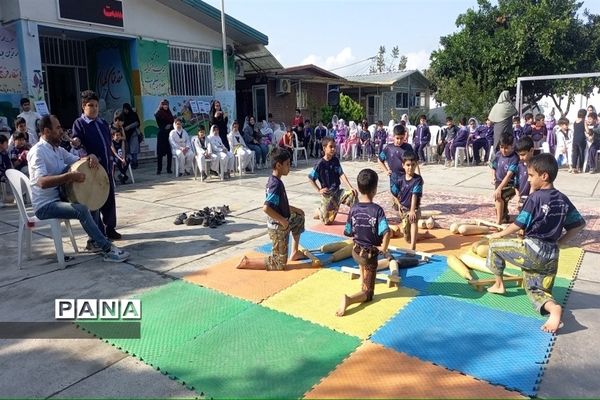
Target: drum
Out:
[93,192]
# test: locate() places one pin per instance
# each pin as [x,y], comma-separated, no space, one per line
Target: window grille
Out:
[401,100]
[301,99]
[57,51]
[190,71]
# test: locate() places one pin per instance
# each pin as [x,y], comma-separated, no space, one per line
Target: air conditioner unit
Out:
[239,69]
[283,86]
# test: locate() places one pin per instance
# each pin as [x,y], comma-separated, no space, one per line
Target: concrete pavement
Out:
[161,251]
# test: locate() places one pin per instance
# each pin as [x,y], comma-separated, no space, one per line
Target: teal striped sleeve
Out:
[523,219]
[383,226]
[573,219]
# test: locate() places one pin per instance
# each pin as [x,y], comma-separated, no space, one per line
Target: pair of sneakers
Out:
[114,254]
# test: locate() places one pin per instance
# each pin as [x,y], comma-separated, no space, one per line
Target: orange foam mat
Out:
[337,228]
[443,242]
[253,285]
[374,371]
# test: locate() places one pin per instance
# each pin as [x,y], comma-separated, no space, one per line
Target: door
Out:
[259,102]
[63,93]
[373,109]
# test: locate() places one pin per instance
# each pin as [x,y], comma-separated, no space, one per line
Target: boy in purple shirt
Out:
[525,152]
[407,192]
[517,129]
[538,131]
[380,137]
[282,218]
[328,171]
[544,216]
[460,140]
[390,158]
[504,168]
[371,234]
[422,137]
[528,118]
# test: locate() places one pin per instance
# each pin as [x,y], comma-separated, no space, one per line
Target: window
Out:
[401,100]
[190,71]
[301,99]
[419,99]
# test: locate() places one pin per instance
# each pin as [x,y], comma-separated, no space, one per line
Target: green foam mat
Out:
[172,315]
[260,353]
[514,300]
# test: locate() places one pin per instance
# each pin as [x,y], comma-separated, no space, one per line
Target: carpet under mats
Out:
[514,300]
[172,315]
[499,347]
[376,372]
[260,353]
[317,297]
[253,285]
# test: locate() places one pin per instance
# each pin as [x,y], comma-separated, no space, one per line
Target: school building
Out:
[134,51]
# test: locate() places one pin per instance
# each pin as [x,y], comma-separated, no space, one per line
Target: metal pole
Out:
[225,70]
[518,99]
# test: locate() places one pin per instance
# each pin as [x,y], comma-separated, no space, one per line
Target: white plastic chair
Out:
[463,150]
[27,222]
[431,149]
[298,149]
[237,163]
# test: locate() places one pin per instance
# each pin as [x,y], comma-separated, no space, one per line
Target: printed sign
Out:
[101,12]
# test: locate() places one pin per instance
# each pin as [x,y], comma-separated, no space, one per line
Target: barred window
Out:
[301,99]
[190,71]
[401,100]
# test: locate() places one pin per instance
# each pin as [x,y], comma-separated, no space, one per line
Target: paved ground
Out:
[161,250]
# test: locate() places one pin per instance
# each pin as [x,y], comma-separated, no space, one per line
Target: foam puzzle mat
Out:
[230,333]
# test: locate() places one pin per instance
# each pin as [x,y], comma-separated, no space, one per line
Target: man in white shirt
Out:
[47,165]
[30,118]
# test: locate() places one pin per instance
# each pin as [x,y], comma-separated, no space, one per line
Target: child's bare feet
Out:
[317,215]
[497,288]
[243,263]
[553,322]
[298,255]
[340,312]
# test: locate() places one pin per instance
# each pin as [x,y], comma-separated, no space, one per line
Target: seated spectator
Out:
[286,142]
[238,146]
[5,162]
[217,148]
[118,148]
[18,154]
[181,147]
[200,148]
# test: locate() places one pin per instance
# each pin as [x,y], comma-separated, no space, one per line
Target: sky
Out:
[336,33]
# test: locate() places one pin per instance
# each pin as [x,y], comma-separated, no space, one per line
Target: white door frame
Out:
[256,88]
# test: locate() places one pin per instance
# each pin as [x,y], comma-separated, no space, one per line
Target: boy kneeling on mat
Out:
[408,190]
[281,219]
[544,215]
[369,228]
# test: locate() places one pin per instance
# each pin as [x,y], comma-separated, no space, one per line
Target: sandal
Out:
[180,219]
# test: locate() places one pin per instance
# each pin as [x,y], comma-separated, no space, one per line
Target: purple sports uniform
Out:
[366,224]
[403,189]
[503,165]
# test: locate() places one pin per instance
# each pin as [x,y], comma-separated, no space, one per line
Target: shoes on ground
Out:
[115,255]
[92,247]
[180,219]
[195,219]
[113,234]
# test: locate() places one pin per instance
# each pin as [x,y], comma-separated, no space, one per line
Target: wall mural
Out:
[153,63]
[112,84]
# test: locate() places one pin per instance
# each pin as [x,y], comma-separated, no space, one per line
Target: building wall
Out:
[283,107]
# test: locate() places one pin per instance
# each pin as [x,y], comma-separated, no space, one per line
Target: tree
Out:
[348,110]
[382,64]
[498,43]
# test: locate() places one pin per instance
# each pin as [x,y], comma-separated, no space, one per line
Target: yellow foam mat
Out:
[317,297]
[569,262]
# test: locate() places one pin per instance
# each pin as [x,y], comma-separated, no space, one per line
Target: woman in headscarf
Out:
[218,118]
[164,120]
[501,115]
[252,137]
[352,140]
[131,126]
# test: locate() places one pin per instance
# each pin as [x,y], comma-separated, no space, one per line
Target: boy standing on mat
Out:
[282,219]
[407,191]
[544,215]
[371,234]
[328,171]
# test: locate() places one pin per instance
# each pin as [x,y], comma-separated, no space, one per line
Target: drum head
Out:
[93,192]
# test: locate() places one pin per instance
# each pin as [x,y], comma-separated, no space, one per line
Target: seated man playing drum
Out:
[47,165]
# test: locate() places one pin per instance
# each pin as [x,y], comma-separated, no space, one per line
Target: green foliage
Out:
[350,110]
[498,43]
[326,114]
[382,64]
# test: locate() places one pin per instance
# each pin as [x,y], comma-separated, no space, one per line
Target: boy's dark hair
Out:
[202,128]
[177,120]
[326,140]
[306,121]
[524,144]
[448,119]
[367,180]
[409,156]
[563,121]
[528,116]
[463,121]
[516,119]
[3,139]
[507,140]
[544,162]
[593,114]
[18,136]
[539,117]
[270,115]
[19,121]
[423,116]
[399,130]
[279,155]
[581,113]
[119,116]
[330,126]
[87,96]
[380,122]
[297,110]
[24,100]
[116,132]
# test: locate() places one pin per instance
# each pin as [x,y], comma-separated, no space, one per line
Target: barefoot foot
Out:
[298,255]
[496,288]
[243,263]
[340,312]
[553,323]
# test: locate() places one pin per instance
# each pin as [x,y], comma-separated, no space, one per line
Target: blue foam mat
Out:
[499,347]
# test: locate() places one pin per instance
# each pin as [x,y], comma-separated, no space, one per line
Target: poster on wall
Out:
[10,67]
[219,71]
[227,99]
[153,59]
[111,82]
[194,107]
[41,107]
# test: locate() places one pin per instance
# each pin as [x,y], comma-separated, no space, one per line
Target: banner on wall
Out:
[153,61]
[111,82]
[10,67]
[219,71]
